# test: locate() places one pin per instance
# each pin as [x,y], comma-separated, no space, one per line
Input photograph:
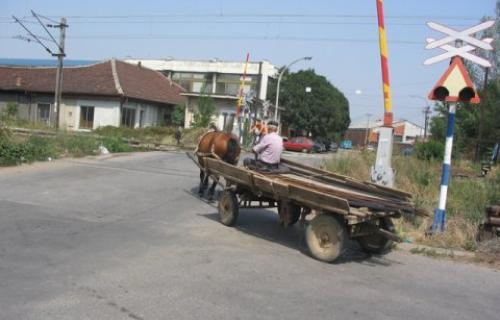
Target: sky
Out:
[341,36]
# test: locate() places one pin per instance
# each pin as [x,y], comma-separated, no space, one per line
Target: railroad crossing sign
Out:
[465,36]
[455,85]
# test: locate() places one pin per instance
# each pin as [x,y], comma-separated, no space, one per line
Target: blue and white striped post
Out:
[440,212]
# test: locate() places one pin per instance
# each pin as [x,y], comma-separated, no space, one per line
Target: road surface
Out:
[125,238]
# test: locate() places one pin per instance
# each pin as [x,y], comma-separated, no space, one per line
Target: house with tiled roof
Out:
[363,133]
[109,93]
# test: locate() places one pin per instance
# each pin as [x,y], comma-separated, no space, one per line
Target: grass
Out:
[16,149]
[467,197]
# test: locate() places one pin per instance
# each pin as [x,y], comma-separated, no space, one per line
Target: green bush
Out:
[77,145]
[116,144]
[430,150]
[40,148]
[11,153]
[34,148]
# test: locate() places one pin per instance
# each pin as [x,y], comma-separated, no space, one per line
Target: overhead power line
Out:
[228,37]
[223,16]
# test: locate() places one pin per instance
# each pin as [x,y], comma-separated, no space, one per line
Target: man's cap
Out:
[273,123]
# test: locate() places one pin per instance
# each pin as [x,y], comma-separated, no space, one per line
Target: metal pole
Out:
[382,172]
[277,95]
[278,85]
[59,73]
[426,120]
[440,212]
[368,115]
[240,99]
[481,119]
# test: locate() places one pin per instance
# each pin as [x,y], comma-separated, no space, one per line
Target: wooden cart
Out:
[331,206]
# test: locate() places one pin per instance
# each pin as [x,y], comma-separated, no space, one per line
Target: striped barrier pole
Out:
[239,102]
[384,65]
[440,212]
[382,172]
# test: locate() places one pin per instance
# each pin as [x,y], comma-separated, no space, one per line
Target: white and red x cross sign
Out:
[466,36]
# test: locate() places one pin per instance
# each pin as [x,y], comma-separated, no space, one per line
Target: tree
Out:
[178,115]
[323,112]
[203,115]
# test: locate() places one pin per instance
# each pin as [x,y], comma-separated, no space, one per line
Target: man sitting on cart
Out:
[268,150]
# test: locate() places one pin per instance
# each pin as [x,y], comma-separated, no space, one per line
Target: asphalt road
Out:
[125,238]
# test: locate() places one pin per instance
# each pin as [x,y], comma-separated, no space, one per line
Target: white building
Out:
[109,93]
[218,79]
[366,132]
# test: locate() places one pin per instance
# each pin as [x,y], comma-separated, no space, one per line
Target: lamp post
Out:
[279,80]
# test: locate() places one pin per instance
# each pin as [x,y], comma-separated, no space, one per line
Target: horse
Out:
[219,145]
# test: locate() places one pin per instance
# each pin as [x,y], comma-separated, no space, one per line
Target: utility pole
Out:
[60,54]
[59,75]
[477,154]
[368,115]
[427,112]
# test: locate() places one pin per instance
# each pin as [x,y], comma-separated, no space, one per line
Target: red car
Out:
[298,144]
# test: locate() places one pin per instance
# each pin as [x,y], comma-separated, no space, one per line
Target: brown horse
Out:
[220,145]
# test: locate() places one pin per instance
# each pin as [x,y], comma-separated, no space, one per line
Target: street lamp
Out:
[279,80]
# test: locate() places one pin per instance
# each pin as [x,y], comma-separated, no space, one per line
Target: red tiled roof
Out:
[373,137]
[399,130]
[128,80]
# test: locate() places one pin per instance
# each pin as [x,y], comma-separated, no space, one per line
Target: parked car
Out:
[333,147]
[346,144]
[319,146]
[302,144]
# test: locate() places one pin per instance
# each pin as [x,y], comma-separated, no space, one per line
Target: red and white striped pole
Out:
[384,64]
[242,86]
[382,172]
[240,99]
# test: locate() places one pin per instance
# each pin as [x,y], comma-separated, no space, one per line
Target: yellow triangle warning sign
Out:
[455,85]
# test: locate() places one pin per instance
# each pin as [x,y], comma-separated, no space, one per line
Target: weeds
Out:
[467,197]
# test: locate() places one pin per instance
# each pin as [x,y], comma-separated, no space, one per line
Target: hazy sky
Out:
[341,36]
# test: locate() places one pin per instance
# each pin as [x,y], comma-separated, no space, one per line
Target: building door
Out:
[86,117]
[141,118]
[43,113]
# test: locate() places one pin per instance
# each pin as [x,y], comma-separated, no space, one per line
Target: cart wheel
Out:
[376,243]
[228,208]
[325,237]
[293,212]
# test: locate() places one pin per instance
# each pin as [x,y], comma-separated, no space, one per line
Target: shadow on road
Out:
[263,224]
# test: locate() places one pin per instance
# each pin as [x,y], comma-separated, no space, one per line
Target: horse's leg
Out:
[211,191]
[203,183]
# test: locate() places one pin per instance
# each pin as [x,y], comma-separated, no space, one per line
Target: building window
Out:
[194,82]
[86,117]
[229,84]
[128,117]
[43,114]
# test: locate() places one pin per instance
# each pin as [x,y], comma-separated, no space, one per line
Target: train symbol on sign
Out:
[466,37]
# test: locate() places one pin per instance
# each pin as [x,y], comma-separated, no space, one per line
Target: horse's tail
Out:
[232,151]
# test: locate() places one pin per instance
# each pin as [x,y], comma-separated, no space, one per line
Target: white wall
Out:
[106,113]
[152,116]
[212,66]
[412,130]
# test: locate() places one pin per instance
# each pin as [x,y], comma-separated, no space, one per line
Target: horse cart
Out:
[331,206]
